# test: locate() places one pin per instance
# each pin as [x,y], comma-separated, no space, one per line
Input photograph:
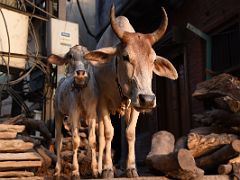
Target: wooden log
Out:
[19,156]
[225,169]
[50,154]
[8,135]
[203,144]
[31,124]
[221,85]
[12,165]
[162,143]
[205,130]
[234,160]
[25,178]
[11,128]
[236,171]
[180,165]
[181,143]
[15,145]
[227,103]
[47,161]
[12,120]
[220,156]
[16,174]
[36,142]
[218,116]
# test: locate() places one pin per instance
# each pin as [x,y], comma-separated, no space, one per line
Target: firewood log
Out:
[203,144]
[221,85]
[205,130]
[236,171]
[31,124]
[181,143]
[225,169]
[219,156]
[162,143]
[227,103]
[179,164]
[218,117]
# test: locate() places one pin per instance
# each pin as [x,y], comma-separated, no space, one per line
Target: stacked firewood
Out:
[18,158]
[24,155]
[213,147]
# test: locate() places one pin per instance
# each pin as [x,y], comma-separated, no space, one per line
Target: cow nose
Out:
[80,72]
[146,100]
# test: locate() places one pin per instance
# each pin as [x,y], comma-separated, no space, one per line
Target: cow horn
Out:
[157,34]
[114,24]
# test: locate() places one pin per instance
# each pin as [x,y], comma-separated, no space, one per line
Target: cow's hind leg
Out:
[75,118]
[58,127]
[130,134]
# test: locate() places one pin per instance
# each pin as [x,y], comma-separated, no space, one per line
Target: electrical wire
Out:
[40,9]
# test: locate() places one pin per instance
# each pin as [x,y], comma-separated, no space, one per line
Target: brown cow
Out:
[76,96]
[127,78]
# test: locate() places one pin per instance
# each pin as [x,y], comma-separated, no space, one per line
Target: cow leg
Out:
[108,132]
[58,127]
[130,135]
[75,118]
[92,144]
[102,142]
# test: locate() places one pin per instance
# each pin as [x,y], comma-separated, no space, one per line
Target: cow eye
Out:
[126,58]
[70,56]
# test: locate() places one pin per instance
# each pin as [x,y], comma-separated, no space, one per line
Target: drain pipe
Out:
[208,40]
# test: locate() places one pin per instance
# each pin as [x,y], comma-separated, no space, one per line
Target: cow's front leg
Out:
[131,136]
[58,128]
[92,144]
[102,143]
[109,131]
[75,118]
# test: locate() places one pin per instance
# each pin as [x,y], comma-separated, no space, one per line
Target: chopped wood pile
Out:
[17,157]
[24,155]
[213,147]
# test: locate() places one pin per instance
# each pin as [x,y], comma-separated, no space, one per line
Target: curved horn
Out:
[114,24]
[157,34]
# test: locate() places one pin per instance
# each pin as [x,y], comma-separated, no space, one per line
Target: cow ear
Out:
[55,59]
[101,55]
[163,67]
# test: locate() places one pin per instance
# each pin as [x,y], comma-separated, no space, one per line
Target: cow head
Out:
[77,66]
[135,62]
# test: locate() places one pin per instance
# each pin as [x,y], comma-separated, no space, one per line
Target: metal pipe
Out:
[208,40]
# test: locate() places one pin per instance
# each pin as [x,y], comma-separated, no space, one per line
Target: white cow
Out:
[76,96]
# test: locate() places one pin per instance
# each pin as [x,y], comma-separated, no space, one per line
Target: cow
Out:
[125,82]
[76,97]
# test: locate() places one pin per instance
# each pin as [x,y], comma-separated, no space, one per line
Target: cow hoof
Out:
[132,173]
[95,174]
[75,177]
[107,174]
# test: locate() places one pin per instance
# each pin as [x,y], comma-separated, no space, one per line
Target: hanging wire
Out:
[40,9]
[33,58]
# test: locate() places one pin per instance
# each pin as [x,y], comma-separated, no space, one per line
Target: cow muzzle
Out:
[145,102]
[81,78]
